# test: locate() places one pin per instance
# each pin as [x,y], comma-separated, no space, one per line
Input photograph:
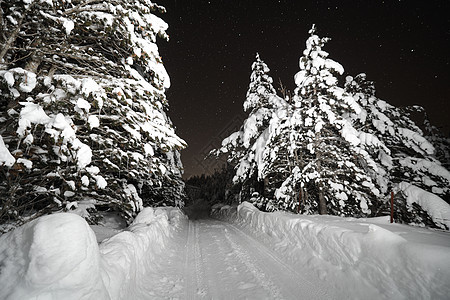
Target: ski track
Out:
[223,262]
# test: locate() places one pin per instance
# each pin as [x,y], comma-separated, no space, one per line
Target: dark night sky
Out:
[403,46]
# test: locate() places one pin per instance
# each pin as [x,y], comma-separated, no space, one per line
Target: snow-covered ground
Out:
[358,258]
[240,254]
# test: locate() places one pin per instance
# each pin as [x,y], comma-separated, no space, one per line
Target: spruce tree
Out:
[407,155]
[245,147]
[84,109]
[334,168]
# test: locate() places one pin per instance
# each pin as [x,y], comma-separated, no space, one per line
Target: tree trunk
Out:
[322,203]
[265,187]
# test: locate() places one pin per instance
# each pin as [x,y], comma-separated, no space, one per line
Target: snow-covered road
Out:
[247,254]
[213,259]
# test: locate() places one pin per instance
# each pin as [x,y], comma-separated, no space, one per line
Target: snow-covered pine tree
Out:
[83,109]
[334,169]
[406,154]
[244,148]
[284,155]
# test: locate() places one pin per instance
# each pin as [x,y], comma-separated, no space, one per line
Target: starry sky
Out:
[403,46]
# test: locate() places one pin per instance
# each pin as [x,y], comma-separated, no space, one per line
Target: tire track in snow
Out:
[264,281]
[297,285]
[228,277]
[202,290]
[195,287]
[208,252]
[223,262]
[189,282]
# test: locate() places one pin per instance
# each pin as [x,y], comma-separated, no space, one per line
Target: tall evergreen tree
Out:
[334,167]
[84,110]
[245,147]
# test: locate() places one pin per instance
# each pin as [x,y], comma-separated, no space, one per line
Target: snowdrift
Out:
[358,259]
[57,257]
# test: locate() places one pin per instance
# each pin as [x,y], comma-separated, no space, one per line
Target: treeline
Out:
[334,148]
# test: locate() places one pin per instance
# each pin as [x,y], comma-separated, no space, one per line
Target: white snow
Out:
[148,149]
[416,138]
[253,255]
[68,25]
[27,163]
[84,154]
[9,77]
[83,104]
[6,157]
[29,82]
[57,257]
[56,126]
[69,194]
[101,182]
[360,258]
[432,167]
[93,121]
[29,114]
[350,134]
[93,170]
[89,86]
[438,209]
[85,180]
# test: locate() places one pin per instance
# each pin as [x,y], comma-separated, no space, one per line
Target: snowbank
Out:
[57,257]
[359,259]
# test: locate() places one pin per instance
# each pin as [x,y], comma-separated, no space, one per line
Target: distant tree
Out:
[83,109]
[215,188]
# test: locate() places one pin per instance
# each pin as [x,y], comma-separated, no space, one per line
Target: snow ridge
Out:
[57,257]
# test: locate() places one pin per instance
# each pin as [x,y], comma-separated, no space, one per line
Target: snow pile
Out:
[361,260]
[57,257]
[128,255]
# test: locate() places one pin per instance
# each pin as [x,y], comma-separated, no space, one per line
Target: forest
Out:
[85,127]
[331,147]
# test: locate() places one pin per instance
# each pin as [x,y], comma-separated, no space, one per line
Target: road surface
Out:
[212,259]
